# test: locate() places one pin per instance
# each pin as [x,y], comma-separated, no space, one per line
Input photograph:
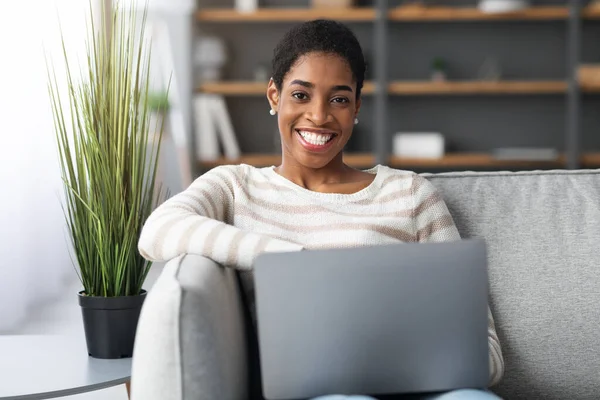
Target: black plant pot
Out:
[110,324]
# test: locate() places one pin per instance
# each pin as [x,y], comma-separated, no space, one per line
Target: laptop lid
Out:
[377,320]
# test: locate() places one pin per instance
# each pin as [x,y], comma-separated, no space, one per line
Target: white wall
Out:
[34,261]
[34,246]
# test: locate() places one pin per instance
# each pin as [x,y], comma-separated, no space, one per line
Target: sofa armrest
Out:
[191,340]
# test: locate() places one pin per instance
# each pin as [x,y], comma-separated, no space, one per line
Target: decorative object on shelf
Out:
[213,125]
[588,76]
[490,70]
[502,6]
[418,145]
[109,188]
[414,7]
[207,141]
[525,154]
[261,73]
[438,70]
[158,105]
[332,3]
[176,121]
[246,6]
[209,58]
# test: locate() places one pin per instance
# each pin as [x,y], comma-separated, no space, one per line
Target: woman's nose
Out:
[319,113]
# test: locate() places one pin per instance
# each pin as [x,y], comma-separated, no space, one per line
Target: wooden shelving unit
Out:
[471,160]
[423,14]
[412,88]
[234,88]
[591,12]
[286,14]
[408,88]
[399,14]
[590,160]
[242,88]
[265,160]
[571,13]
[452,160]
[590,89]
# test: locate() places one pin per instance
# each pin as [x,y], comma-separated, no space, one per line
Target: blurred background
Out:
[452,85]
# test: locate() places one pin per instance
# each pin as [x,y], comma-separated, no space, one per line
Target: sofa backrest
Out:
[543,236]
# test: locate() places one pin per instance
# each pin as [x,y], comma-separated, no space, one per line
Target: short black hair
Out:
[322,36]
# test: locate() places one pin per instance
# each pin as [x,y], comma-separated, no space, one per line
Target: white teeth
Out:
[316,139]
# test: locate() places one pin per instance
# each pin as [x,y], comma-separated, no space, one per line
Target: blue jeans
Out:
[461,394]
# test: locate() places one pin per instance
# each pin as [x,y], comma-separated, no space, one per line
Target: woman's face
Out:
[316,108]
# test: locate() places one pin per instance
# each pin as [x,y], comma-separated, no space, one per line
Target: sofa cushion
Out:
[543,235]
[191,339]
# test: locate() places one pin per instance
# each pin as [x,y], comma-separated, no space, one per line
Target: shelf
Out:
[241,88]
[286,14]
[591,12]
[590,89]
[360,160]
[234,88]
[590,160]
[399,14]
[366,160]
[422,14]
[470,160]
[477,87]
[408,88]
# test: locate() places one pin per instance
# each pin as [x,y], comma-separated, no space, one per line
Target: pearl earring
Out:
[272,112]
[355,121]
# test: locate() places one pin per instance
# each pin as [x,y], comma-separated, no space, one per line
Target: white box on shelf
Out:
[502,6]
[246,6]
[418,144]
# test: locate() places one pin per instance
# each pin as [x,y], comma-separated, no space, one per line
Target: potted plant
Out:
[108,155]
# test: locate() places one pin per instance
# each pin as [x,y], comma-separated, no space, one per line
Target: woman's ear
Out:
[358,104]
[273,95]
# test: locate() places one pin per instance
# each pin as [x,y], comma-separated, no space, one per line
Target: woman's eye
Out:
[300,96]
[340,100]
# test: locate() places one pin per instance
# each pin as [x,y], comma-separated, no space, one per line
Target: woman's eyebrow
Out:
[342,87]
[311,86]
[302,83]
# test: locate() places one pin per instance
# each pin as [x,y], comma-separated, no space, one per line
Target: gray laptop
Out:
[392,319]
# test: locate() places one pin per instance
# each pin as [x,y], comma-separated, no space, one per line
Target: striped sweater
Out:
[233,213]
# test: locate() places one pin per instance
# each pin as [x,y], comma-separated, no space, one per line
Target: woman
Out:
[312,200]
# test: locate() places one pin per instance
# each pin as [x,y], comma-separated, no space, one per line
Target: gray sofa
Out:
[543,233]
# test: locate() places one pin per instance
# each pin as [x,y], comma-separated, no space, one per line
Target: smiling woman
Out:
[319,71]
[312,200]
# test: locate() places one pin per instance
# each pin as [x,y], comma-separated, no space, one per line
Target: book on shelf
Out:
[214,129]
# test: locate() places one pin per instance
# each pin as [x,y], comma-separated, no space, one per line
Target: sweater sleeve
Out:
[433,223]
[198,221]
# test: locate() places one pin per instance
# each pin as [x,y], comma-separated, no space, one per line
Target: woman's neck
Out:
[316,179]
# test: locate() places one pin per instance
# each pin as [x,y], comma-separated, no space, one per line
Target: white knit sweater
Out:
[233,213]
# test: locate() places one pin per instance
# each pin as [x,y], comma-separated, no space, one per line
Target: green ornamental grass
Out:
[108,154]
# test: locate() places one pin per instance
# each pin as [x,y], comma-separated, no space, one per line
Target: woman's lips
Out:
[316,141]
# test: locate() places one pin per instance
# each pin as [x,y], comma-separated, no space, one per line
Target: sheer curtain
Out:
[34,246]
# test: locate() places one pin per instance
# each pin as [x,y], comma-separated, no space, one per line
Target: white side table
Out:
[44,367]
